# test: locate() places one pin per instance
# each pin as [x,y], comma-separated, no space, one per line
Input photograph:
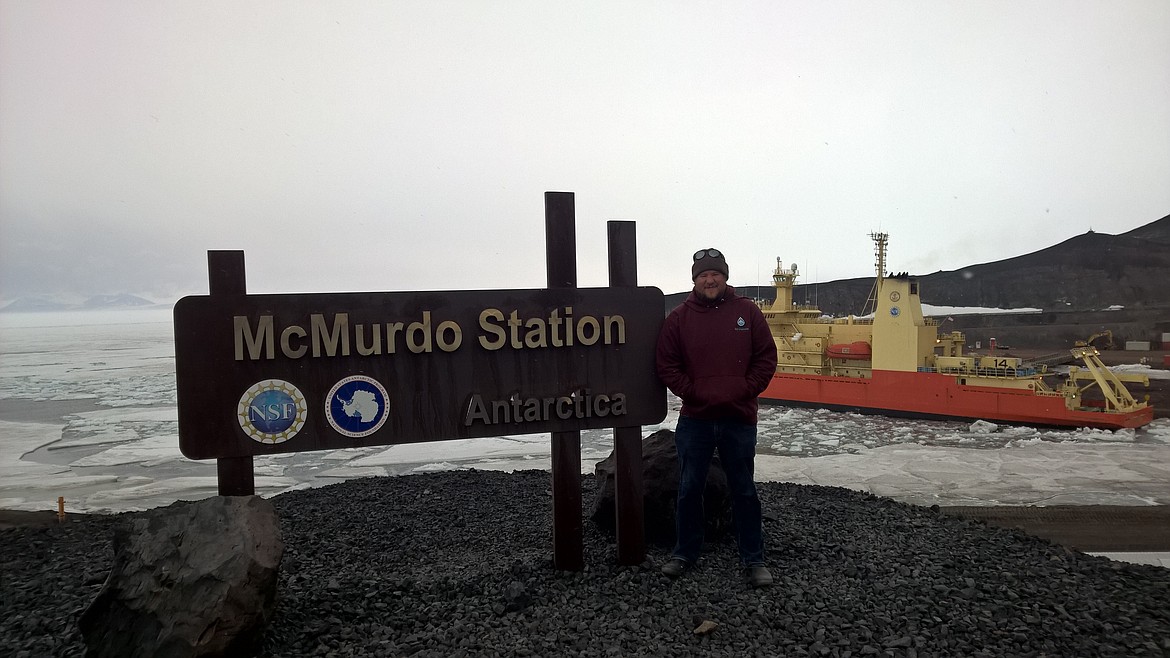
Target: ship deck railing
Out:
[994,373]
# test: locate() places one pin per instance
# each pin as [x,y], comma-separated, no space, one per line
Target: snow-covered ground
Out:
[87,412]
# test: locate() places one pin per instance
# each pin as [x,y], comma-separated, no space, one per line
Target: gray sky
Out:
[408,145]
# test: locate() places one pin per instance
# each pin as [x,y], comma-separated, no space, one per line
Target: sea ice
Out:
[983,427]
[352,472]
[439,466]
[151,451]
[1124,435]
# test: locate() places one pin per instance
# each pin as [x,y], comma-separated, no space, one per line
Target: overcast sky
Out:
[351,146]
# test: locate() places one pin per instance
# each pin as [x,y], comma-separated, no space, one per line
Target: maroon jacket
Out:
[717,357]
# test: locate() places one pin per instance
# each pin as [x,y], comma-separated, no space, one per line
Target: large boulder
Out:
[191,579]
[660,491]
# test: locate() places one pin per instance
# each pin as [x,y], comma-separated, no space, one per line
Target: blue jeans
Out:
[696,441]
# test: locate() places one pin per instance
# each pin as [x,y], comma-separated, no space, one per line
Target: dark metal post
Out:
[560,240]
[627,441]
[225,271]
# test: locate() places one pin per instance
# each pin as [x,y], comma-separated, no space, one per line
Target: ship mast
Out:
[879,248]
[782,281]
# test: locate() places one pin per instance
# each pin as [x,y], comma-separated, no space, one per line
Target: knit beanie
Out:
[708,262]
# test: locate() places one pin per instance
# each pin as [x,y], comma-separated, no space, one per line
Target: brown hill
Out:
[1086,272]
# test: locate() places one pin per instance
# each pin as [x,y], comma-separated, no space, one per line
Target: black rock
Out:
[660,491]
[192,579]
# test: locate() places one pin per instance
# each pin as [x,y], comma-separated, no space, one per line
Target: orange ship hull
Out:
[938,396]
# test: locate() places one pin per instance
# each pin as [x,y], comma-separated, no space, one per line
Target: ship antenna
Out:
[879,248]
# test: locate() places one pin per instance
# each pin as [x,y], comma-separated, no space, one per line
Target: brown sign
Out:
[264,374]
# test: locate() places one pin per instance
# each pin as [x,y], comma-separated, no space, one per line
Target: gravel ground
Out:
[459,563]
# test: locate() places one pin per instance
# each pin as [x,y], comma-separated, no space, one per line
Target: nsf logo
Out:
[357,406]
[272,411]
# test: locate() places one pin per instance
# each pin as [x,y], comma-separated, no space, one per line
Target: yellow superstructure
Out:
[899,337]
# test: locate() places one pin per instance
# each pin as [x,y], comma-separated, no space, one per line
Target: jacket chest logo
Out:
[740,324]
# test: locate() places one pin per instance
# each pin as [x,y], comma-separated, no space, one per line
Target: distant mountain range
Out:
[1088,272]
[97,302]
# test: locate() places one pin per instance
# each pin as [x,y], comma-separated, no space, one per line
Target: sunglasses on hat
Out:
[703,253]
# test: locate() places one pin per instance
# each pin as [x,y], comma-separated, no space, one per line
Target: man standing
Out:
[716,353]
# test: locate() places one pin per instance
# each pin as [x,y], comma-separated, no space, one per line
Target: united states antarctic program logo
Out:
[357,406]
[272,411]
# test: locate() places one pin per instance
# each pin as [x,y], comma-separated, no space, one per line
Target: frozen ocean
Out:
[87,413]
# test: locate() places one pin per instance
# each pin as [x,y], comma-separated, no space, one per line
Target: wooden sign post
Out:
[236,476]
[627,441]
[561,258]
